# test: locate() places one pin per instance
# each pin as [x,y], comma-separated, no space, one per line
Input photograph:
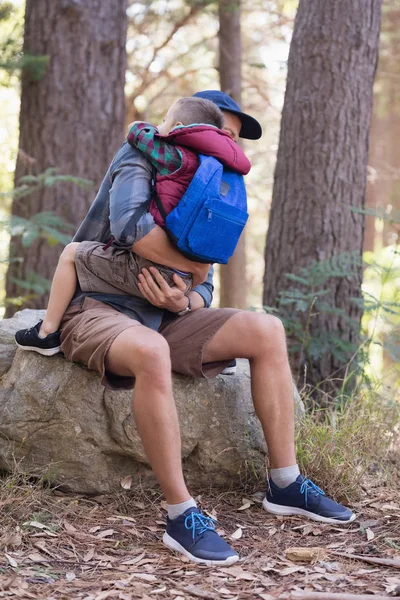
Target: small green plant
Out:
[337,446]
[299,305]
[43,225]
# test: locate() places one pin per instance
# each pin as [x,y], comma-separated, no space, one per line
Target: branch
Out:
[387,562]
[194,9]
[330,596]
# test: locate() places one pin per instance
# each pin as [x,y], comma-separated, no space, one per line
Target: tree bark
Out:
[233,284]
[72,119]
[321,166]
[383,190]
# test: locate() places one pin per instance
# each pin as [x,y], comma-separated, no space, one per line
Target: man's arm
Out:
[131,187]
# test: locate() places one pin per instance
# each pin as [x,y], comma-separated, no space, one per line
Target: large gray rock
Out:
[56,418]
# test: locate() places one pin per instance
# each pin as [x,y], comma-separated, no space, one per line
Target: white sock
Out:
[285,476]
[174,510]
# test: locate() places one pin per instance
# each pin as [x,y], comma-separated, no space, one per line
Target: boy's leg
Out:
[114,270]
[62,289]
[44,337]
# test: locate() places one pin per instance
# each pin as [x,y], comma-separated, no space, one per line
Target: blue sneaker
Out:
[193,534]
[304,498]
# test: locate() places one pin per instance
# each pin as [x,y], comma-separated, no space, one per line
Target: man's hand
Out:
[157,291]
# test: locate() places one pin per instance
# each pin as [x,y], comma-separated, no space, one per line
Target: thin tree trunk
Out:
[72,119]
[233,275]
[322,159]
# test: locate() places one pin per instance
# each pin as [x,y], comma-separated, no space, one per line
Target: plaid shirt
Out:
[166,158]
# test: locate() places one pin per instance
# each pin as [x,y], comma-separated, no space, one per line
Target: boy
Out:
[191,126]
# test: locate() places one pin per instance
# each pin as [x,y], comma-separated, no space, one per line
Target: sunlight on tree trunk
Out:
[72,118]
[322,160]
[233,275]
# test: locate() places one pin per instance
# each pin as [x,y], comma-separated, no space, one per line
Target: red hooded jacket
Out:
[192,141]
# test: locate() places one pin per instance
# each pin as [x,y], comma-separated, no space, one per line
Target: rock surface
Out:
[56,418]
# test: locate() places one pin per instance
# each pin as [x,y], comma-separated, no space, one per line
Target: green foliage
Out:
[299,305]
[12,58]
[33,183]
[43,225]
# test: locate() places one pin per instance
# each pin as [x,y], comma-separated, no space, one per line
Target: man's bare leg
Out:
[261,339]
[144,354]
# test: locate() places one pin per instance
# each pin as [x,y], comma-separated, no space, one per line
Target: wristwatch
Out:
[188,309]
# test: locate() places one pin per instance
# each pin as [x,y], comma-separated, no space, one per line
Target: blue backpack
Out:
[207,223]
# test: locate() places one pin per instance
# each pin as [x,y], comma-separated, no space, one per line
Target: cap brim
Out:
[251,128]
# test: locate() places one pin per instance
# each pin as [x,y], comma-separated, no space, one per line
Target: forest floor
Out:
[55,546]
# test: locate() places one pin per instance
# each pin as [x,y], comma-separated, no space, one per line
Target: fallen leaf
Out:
[11,560]
[370,534]
[94,529]
[37,558]
[236,535]
[139,505]
[245,506]
[159,590]
[290,571]
[70,576]
[310,555]
[238,573]
[133,561]
[69,528]
[89,554]
[105,533]
[36,524]
[390,506]
[126,482]
[145,576]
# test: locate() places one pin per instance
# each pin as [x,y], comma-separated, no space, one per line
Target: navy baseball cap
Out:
[251,128]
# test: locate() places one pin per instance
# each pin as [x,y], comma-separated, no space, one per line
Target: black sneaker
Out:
[230,369]
[28,339]
[193,534]
[304,498]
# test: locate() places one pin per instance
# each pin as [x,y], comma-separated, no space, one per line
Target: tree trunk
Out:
[383,190]
[233,275]
[72,119]
[321,165]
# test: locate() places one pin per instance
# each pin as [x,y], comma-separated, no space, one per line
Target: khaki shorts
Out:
[115,271]
[87,332]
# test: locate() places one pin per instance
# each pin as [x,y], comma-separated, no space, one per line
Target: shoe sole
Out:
[277,509]
[42,351]
[229,371]
[174,545]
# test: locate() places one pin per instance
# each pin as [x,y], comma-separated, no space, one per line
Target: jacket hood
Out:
[208,140]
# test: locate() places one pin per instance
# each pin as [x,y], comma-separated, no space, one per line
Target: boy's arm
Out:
[166,158]
[156,246]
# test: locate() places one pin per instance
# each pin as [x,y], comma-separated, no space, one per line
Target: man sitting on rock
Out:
[130,340]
